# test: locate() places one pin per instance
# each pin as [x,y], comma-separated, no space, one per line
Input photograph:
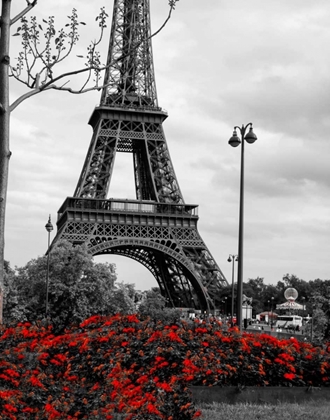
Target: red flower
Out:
[166,387]
[201,330]
[129,330]
[11,372]
[27,410]
[52,412]
[92,320]
[95,386]
[61,357]
[153,410]
[35,382]
[43,355]
[10,408]
[155,336]
[132,318]
[173,336]
[143,379]
[55,362]
[287,357]
[72,378]
[289,376]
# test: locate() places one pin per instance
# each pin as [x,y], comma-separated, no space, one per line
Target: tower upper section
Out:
[130,79]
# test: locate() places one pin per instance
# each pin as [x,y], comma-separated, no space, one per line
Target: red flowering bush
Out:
[140,368]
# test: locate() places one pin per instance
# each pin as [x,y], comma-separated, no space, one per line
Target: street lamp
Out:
[268,308]
[232,258]
[235,141]
[303,299]
[271,321]
[49,227]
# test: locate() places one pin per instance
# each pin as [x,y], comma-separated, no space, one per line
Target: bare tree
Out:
[43,48]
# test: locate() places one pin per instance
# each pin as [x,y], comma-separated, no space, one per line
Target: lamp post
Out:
[303,299]
[268,310]
[49,227]
[312,325]
[235,141]
[232,258]
[245,320]
[271,321]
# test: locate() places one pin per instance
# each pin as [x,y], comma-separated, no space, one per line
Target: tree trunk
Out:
[4,133]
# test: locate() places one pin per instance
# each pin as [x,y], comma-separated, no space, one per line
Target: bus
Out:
[289,322]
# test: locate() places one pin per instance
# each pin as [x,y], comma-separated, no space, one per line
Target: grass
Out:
[283,411]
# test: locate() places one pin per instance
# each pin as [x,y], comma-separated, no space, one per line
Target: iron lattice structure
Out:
[157,229]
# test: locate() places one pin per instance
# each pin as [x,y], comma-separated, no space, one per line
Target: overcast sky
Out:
[218,63]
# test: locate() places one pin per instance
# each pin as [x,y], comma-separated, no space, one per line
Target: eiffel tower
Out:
[157,229]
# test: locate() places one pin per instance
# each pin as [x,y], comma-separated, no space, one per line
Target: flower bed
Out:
[143,369]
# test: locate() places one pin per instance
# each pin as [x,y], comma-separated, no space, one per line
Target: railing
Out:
[122,205]
[131,105]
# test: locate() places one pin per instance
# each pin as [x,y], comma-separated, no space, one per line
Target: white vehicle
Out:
[289,321]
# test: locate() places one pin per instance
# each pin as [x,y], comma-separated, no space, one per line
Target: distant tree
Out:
[255,288]
[319,307]
[154,306]
[121,299]
[12,310]
[78,288]
[129,288]
[317,328]
[257,285]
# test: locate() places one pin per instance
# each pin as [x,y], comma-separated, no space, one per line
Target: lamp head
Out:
[234,140]
[49,227]
[250,137]
[229,259]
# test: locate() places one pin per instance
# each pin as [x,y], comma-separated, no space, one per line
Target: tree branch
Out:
[51,83]
[23,12]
